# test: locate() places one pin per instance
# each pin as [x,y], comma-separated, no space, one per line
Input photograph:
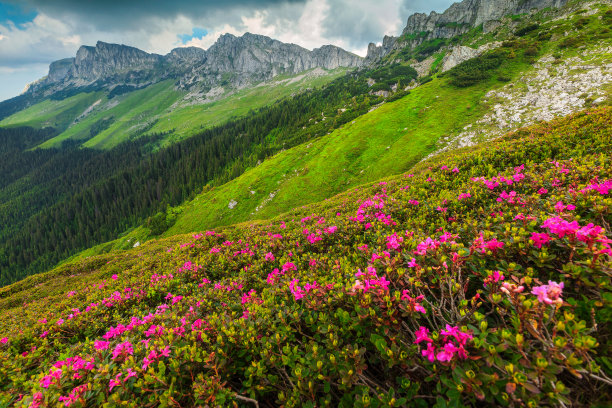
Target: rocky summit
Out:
[233,61]
[456,20]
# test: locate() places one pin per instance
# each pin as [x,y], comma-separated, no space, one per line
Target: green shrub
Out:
[477,69]
[526,29]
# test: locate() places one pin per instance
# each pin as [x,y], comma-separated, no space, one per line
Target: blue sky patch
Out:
[196,32]
[15,14]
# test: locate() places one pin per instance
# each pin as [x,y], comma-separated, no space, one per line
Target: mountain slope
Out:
[425,286]
[101,121]
[147,190]
[437,116]
[121,77]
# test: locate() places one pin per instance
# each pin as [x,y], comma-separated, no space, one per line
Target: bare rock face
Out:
[461,53]
[231,61]
[59,69]
[105,59]
[458,19]
[375,52]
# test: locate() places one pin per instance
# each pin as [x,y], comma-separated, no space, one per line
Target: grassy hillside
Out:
[58,114]
[536,63]
[388,140]
[482,275]
[98,122]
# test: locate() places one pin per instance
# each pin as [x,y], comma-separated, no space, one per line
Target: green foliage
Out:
[477,69]
[100,126]
[390,75]
[420,289]
[526,29]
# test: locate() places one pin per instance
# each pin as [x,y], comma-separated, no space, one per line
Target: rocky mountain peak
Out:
[457,19]
[231,60]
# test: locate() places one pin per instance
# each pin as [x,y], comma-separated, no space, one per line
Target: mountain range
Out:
[234,61]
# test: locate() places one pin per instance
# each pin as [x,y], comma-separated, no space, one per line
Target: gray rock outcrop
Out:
[458,19]
[231,61]
[460,53]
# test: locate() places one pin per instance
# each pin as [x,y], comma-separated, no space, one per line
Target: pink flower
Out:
[123,349]
[454,331]
[270,257]
[114,382]
[296,290]
[422,334]
[494,277]
[560,207]
[426,245]
[101,345]
[115,277]
[559,226]
[588,232]
[542,191]
[508,288]
[4,340]
[414,304]
[540,239]
[550,293]
[331,230]
[429,352]
[455,170]
[130,373]
[602,188]
[289,266]
[446,353]
[394,241]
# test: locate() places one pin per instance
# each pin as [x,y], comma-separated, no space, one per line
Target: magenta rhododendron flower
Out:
[422,334]
[429,352]
[101,345]
[394,241]
[130,373]
[115,382]
[494,277]
[413,303]
[4,340]
[540,239]
[602,188]
[123,350]
[560,207]
[509,288]
[270,257]
[549,294]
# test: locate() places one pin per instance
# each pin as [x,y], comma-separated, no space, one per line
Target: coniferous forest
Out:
[59,201]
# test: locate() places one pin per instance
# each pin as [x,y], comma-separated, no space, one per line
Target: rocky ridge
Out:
[456,20]
[231,61]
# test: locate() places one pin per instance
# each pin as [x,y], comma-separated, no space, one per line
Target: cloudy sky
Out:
[34,33]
